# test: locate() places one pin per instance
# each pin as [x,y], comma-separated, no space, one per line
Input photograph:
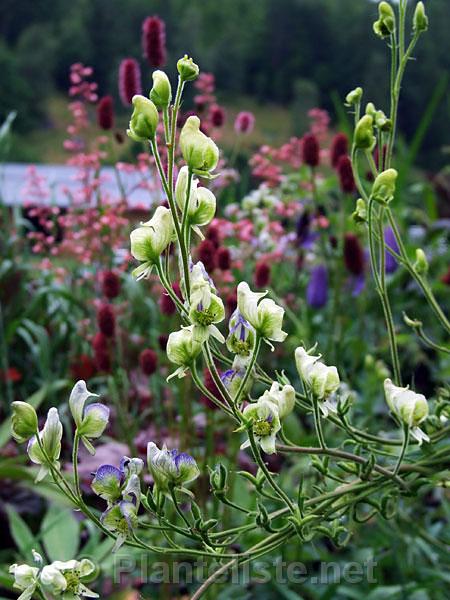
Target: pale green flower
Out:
[409,407]
[318,377]
[50,438]
[205,307]
[24,421]
[64,578]
[144,119]
[182,348]
[199,151]
[383,188]
[263,314]
[283,397]
[90,421]
[265,424]
[201,206]
[25,580]
[151,239]
[161,92]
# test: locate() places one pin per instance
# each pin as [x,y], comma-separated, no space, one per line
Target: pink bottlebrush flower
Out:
[110,284]
[223,258]
[339,147]
[154,41]
[345,172]
[244,123]
[207,254]
[105,113]
[217,115]
[262,275]
[310,150]
[353,254]
[106,320]
[129,80]
[148,361]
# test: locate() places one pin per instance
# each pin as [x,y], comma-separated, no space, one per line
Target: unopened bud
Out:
[360,213]
[385,25]
[161,92]
[187,69]
[24,422]
[354,97]
[383,189]
[421,264]
[420,19]
[364,137]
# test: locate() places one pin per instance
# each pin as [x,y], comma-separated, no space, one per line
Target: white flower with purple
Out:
[241,338]
[91,421]
[206,308]
[169,468]
[47,450]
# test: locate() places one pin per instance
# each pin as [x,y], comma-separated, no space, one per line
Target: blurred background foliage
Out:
[285,54]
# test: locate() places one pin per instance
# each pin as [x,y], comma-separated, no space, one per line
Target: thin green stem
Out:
[404,448]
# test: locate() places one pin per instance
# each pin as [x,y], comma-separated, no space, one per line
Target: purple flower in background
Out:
[391,263]
[317,291]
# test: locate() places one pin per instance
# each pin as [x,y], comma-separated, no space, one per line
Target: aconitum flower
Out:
[262,275]
[317,290]
[241,338]
[265,424]
[24,421]
[318,377]
[408,406]
[345,172]
[390,241]
[310,150]
[110,284]
[25,579]
[129,80]
[151,239]
[105,113]
[91,421]
[353,254]
[106,320]
[201,203]
[154,41]
[206,308]
[199,151]
[283,398]
[170,468]
[182,348]
[339,147]
[66,578]
[244,122]
[50,438]
[148,361]
[263,314]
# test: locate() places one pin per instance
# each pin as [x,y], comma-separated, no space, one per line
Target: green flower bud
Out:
[409,407]
[371,110]
[199,151]
[144,119]
[413,323]
[182,348]
[201,203]
[360,213]
[385,25]
[24,421]
[420,19]
[364,137]
[382,122]
[354,97]
[161,92]
[421,264]
[383,189]
[151,239]
[187,69]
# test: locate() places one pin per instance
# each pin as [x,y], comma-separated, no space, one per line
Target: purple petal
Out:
[317,290]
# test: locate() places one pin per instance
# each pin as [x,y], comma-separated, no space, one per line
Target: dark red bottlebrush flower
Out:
[231,302]
[339,147]
[105,113]
[345,172]
[166,304]
[353,254]
[110,284]
[262,275]
[223,258]
[148,361]
[129,80]
[106,320]
[162,341]
[207,254]
[103,361]
[244,123]
[310,150]
[212,388]
[446,278]
[213,235]
[83,367]
[154,41]
[217,115]
[100,342]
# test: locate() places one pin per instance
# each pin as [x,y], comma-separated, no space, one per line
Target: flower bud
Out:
[385,25]
[321,380]
[371,110]
[354,97]
[105,113]
[148,361]
[382,122]
[182,348]
[420,19]
[421,264]
[360,213]
[263,314]
[161,92]
[187,69]
[353,254]
[144,119]
[199,151]
[244,122]
[151,239]
[24,421]
[364,137]
[411,408]
[345,172]
[383,189]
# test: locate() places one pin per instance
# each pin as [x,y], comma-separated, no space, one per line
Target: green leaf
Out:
[60,533]
[22,534]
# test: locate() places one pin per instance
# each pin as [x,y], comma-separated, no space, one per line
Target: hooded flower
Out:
[182,348]
[24,421]
[150,240]
[206,308]
[50,438]
[65,578]
[263,314]
[265,424]
[409,407]
[90,421]
[170,468]
[320,379]
[199,151]
[201,206]
[241,338]
[283,398]
[144,120]
[25,580]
